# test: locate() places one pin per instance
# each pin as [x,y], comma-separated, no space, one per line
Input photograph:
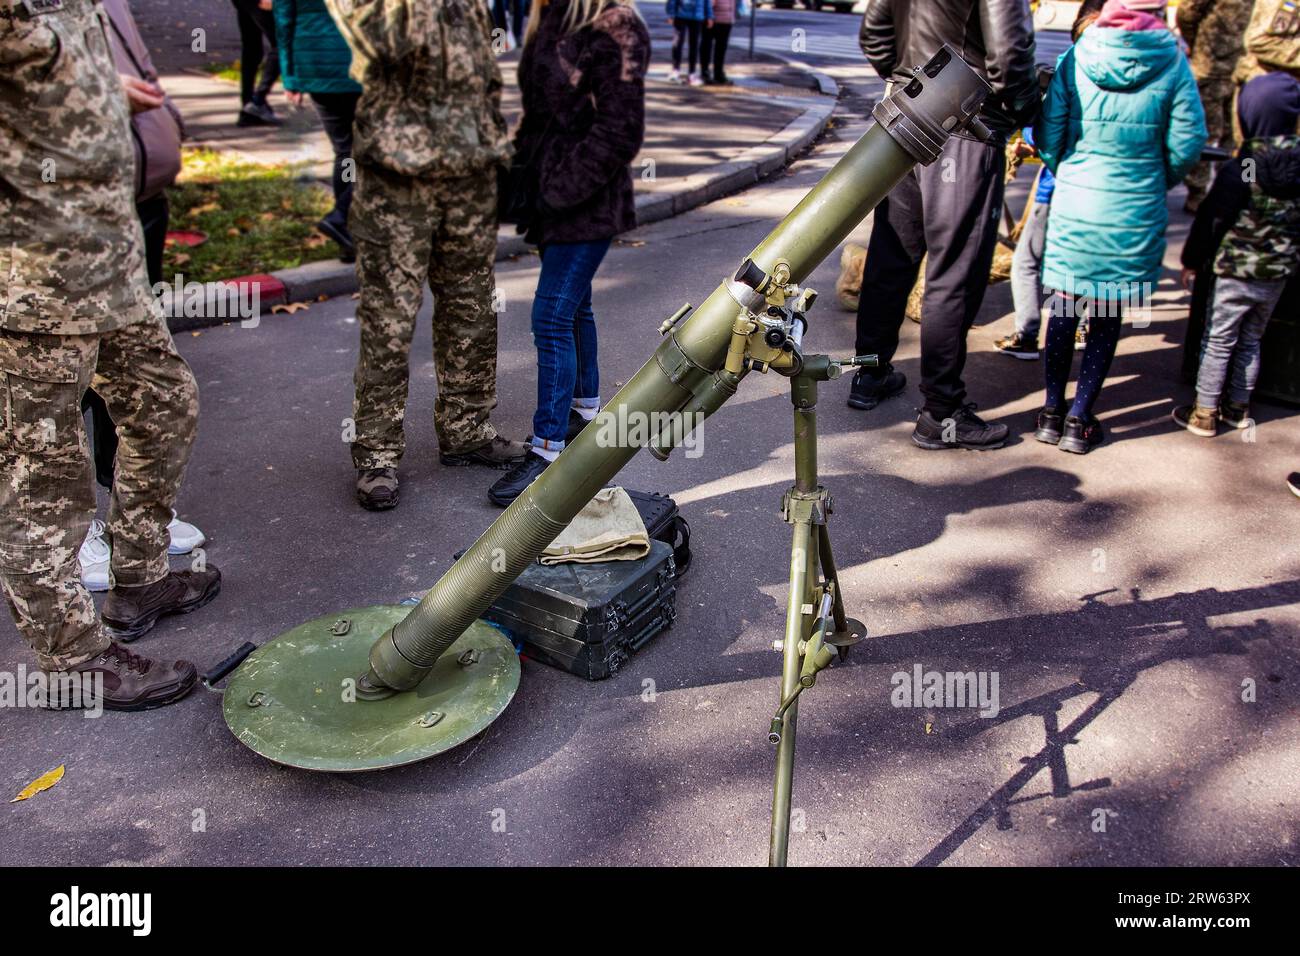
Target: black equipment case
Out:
[589,619]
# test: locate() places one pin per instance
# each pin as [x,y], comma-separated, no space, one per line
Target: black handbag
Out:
[518,186]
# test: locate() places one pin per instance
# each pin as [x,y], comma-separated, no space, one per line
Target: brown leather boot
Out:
[132,682]
[130,612]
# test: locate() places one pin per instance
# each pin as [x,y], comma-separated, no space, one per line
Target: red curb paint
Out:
[270,290]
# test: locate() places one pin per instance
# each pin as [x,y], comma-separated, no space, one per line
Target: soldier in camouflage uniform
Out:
[1214,31]
[1247,232]
[428,139]
[75,307]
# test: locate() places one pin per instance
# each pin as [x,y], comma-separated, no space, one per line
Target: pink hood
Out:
[1115,14]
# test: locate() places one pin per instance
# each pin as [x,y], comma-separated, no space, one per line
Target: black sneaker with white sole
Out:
[1018,345]
[872,386]
[962,429]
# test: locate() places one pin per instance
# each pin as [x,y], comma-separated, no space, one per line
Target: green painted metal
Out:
[290,701]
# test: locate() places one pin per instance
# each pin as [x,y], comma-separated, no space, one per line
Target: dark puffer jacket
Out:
[584,121]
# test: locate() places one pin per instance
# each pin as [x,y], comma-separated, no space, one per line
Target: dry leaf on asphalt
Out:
[290,307]
[43,782]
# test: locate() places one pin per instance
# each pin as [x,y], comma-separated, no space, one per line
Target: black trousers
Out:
[103,433]
[518,12]
[713,49]
[336,112]
[950,210]
[256,48]
[688,32]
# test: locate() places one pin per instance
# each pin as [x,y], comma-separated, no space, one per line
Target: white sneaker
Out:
[695,80]
[184,536]
[94,557]
[674,76]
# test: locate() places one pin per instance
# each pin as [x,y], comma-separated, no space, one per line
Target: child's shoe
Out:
[674,76]
[1235,414]
[1079,437]
[695,80]
[1050,423]
[1293,482]
[1197,420]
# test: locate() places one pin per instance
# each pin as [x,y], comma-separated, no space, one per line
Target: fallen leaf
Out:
[43,782]
[206,207]
[315,241]
[290,307]
[180,259]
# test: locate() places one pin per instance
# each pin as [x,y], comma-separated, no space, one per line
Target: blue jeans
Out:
[564,331]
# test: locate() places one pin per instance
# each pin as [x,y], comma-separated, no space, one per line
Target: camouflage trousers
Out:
[408,231]
[47,497]
[1218,97]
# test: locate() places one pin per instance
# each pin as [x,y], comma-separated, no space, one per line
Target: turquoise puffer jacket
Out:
[314,58]
[1121,125]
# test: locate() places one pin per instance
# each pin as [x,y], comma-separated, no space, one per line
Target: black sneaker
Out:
[1018,345]
[962,429]
[339,233]
[1079,437]
[512,484]
[1050,423]
[871,387]
[255,113]
[1293,482]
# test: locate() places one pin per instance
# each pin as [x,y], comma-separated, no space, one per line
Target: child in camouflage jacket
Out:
[1247,231]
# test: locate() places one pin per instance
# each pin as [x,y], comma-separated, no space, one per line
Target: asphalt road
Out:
[1122,599]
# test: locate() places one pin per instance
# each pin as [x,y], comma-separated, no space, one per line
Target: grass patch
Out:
[224,71]
[257,218]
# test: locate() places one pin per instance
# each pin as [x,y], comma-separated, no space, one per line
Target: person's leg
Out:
[561,319]
[1027,273]
[337,112]
[693,28]
[679,38]
[393,231]
[520,17]
[154,400]
[250,49]
[265,21]
[1245,358]
[1062,320]
[706,50]
[46,498]
[1103,339]
[894,254]
[1231,305]
[721,37]
[462,277]
[499,19]
[586,391]
[962,197]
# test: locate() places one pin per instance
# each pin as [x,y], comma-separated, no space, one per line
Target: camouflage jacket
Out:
[71,246]
[1248,225]
[1264,242]
[1216,32]
[431,90]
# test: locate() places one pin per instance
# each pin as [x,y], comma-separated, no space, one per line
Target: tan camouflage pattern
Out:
[1216,32]
[1264,242]
[1219,98]
[46,485]
[71,246]
[407,230]
[431,100]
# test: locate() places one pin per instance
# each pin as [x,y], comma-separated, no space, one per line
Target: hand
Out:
[294,97]
[141,95]
[1024,150]
[1188,278]
[264,4]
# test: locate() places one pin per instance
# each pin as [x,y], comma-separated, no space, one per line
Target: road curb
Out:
[311,282]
